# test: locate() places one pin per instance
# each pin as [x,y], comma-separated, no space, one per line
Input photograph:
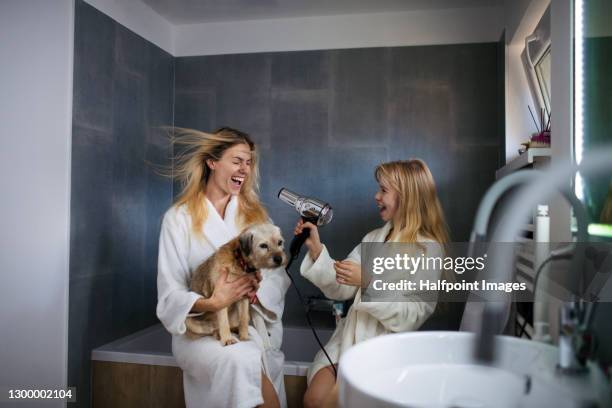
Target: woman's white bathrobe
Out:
[364,319]
[213,375]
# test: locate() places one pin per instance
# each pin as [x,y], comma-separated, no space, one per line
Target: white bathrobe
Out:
[213,375]
[364,320]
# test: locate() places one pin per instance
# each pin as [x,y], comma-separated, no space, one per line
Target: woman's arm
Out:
[225,293]
[174,299]
[203,305]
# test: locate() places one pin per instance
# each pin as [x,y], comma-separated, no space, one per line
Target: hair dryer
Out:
[311,210]
[318,213]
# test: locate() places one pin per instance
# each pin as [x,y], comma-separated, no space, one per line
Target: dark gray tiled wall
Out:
[123,90]
[324,119]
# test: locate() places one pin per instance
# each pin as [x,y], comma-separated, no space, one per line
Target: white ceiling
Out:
[202,11]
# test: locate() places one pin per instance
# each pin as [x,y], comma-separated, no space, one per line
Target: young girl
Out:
[219,174]
[409,205]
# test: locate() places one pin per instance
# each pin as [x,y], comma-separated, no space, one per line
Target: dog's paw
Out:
[229,341]
[244,337]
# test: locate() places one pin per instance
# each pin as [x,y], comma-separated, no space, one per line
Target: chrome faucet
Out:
[575,340]
[493,316]
[577,318]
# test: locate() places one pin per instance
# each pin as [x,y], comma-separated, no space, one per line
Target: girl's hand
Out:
[348,273]
[226,293]
[313,242]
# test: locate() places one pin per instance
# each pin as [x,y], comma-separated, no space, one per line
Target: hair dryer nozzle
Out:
[288,196]
[310,208]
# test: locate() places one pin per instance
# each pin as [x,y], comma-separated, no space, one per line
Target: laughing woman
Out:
[409,206]
[219,173]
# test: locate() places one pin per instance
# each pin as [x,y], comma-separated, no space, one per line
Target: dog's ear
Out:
[246,244]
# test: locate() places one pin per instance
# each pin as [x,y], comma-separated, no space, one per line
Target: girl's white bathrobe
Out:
[213,375]
[364,319]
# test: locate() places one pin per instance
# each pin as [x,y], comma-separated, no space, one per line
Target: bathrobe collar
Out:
[384,231]
[218,231]
[381,233]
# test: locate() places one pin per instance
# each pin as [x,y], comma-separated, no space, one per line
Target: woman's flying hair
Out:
[190,169]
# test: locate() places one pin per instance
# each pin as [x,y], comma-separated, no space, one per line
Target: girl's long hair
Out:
[419,211]
[191,170]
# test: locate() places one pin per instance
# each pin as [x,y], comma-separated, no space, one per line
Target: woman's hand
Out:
[313,242]
[348,273]
[226,293]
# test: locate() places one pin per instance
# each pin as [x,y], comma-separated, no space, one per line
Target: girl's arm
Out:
[406,315]
[411,309]
[318,266]
[322,273]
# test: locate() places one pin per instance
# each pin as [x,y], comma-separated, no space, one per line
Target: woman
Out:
[219,173]
[409,205]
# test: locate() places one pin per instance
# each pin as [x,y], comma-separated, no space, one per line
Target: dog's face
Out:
[262,246]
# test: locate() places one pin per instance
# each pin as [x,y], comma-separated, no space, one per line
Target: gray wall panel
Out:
[334,115]
[123,93]
[322,120]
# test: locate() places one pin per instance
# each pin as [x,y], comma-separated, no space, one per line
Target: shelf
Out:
[526,159]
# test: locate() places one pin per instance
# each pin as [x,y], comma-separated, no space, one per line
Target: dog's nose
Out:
[277,259]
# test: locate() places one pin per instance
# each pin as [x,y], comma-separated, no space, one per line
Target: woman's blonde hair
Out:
[191,170]
[419,211]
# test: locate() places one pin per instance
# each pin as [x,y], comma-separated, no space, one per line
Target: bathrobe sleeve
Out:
[322,273]
[413,309]
[398,316]
[271,294]
[174,299]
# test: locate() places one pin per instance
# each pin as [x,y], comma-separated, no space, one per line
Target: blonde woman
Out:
[409,206]
[219,173]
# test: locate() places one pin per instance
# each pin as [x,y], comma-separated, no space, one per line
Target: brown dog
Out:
[259,246]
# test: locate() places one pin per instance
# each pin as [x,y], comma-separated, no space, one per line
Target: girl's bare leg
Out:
[320,388]
[331,401]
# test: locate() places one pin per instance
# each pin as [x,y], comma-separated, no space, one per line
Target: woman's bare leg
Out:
[320,387]
[269,393]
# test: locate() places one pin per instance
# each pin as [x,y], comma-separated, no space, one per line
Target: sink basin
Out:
[436,369]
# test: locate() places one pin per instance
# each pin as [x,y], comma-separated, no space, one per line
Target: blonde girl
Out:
[408,204]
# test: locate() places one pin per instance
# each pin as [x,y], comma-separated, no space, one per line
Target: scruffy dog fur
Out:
[259,246]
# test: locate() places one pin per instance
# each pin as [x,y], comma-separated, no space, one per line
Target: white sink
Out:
[436,369]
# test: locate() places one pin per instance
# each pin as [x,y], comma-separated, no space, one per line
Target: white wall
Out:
[345,31]
[520,19]
[427,27]
[562,108]
[519,124]
[35,129]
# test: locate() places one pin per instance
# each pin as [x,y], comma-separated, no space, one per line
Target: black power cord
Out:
[307,311]
[544,263]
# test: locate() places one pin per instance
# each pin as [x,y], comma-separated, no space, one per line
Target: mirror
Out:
[593,104]
[542,71]
[537,65]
